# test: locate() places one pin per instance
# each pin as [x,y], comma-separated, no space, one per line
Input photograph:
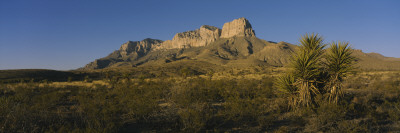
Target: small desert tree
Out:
[312,74]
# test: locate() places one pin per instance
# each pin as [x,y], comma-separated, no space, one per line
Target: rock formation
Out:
[235,45]
[196,38]
[239,27]
[138,48]
[134,51]
[129,51]
[207,34]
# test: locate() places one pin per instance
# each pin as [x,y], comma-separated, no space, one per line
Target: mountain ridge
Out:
[235,45]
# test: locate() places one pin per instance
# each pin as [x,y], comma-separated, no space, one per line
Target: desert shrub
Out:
[347,126]
[142,98]
[193,100]
[99,109]
[356,81]
[109,109]
[87,79]
[187,71]
[32,109]
[243,100]
[199,90]
[203,104]
[393,109]
[326,118]
[195,116]
[247,104]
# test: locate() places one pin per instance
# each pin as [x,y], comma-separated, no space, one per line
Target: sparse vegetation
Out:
[196,104]
[320,92]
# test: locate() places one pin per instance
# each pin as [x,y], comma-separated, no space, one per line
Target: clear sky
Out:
[67,34]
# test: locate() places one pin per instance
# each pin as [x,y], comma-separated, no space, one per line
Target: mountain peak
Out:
[240,27]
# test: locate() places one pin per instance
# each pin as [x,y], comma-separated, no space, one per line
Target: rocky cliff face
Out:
[207,34]
[196,38]
[129,51]
[239,27]
[138,48]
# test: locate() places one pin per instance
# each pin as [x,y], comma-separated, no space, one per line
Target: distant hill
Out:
[11,76]
[375,61]
[235,45]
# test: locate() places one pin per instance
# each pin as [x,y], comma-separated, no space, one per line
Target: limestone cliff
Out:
[196,38]
[129,51]
[137,48]
[207,34]
[239,27]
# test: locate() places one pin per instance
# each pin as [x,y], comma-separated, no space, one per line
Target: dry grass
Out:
[93,84]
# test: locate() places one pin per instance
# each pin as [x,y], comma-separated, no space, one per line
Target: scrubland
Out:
[233,100]
[319,91]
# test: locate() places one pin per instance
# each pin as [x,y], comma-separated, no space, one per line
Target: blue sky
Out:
[64,35]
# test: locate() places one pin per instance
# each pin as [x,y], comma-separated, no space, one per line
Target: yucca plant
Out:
[285,84]
[306,68]
[339,62]
[302,82]
[315,73]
